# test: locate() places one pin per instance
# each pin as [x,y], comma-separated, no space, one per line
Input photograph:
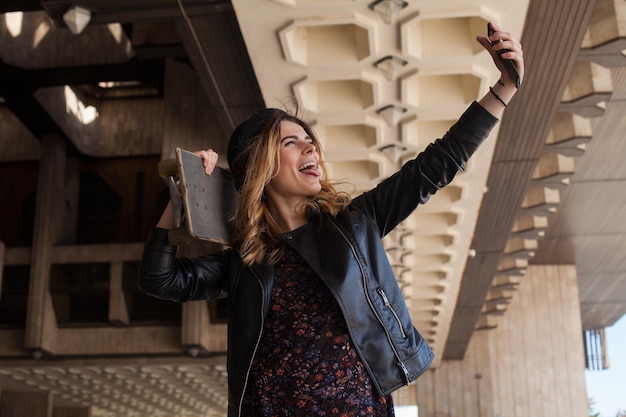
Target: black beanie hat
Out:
[243,136]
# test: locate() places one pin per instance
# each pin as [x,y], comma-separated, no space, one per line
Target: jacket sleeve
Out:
[395,198]
[163,275]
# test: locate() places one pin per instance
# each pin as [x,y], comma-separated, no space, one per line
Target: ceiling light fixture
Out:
[77,18]
[388,9]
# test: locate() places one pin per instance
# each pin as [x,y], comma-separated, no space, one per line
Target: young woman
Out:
[317,322]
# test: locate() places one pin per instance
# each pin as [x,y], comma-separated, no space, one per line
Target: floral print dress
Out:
[306,364]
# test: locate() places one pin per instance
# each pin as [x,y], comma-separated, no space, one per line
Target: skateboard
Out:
[202,204]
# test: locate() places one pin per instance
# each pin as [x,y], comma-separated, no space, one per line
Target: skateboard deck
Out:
[208,201]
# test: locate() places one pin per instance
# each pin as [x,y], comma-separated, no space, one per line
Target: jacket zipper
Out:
[369,301]
[256,346]
[390,307]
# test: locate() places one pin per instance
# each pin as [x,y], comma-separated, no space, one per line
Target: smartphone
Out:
[508,63]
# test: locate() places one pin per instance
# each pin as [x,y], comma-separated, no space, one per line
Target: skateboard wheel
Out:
[168,168]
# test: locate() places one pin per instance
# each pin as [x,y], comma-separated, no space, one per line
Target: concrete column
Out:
[69,209]
[118,311]
[195,327]
[40,321]
[196,332]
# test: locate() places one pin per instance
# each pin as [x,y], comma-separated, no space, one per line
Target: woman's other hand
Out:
[209,160]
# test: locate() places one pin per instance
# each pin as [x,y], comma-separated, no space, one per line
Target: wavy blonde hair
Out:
[256,233]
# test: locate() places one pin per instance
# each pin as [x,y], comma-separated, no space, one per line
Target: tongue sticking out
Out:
[310,170]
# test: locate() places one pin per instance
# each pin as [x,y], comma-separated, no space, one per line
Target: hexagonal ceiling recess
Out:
[380,81]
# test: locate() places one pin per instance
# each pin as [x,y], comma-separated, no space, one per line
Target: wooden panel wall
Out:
[532,364]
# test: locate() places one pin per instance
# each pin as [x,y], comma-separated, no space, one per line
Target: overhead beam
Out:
[219,56]
[33,116]
[7,6]
[116,11]
[148,71]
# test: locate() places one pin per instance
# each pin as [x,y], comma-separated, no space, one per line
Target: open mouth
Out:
[308,166]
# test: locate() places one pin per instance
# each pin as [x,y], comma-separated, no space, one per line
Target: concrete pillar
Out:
[195,327]
[118,310]
[40,321]
[69,209]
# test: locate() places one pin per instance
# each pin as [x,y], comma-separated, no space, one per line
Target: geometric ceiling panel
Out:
[357,171]
[448,37]
[327,43]
[336,95]
[161,390]
[419,133]
[348,137]
[445,92]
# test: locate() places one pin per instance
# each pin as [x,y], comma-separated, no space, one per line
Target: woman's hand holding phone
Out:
[504,63]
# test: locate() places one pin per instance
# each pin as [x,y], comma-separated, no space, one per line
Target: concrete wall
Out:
[532,364]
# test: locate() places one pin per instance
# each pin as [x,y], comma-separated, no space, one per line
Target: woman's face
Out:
[298,176]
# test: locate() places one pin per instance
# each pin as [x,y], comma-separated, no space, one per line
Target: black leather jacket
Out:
[347,254]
